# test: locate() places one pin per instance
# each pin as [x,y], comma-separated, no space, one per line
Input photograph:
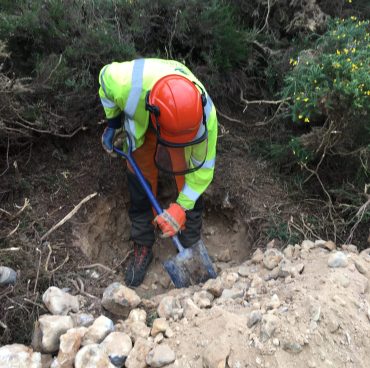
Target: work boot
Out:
[138,264]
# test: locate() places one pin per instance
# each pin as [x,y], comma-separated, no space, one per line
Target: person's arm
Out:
[113,114]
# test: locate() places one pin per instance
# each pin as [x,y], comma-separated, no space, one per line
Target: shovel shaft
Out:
[148,191]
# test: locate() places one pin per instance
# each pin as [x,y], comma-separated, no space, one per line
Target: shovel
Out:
[191,265]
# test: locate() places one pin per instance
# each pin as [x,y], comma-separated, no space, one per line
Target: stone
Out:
[214,286]
[272,258]
[285,268]
[119,299]
[254,317]
[46,360]
[361,267]
[117,345]
[168,307]
[137,315]
[159,325]
[203,299]
[257,256]
[216,354]
[292,347]
[274,302]
[160,356]
[169,333]
[330,245]
[7,276]
[314,309]
[229,279]
[243,271]
[191,310]
[269,325]
[58,302]
[137,356]
[158,338]
[233,293]
[138,330]
[82,319]
[337,259]
[96,333]
[289,251]
[48,330]
[308,245]
[19,356]
[92,356]
[70,343]
[224,256]
[350,248]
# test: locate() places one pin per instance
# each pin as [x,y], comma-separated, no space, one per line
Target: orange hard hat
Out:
[176,107]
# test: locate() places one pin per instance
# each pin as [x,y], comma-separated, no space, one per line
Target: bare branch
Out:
[68,216]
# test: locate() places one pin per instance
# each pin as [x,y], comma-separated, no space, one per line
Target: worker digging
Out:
[170,124]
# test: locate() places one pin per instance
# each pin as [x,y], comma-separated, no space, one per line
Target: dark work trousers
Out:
[141,216]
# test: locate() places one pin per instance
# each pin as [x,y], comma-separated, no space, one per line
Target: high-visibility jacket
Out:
[123,88]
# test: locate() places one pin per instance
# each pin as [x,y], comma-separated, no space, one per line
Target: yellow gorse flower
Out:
[306,120]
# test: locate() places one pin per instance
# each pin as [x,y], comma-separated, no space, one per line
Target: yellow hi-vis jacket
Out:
[123,88]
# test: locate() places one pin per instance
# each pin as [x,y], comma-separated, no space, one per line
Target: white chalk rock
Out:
[137,330]
[168,307]
[92,356]
[190,309]
[137,315]
[70,343]
[337,259]
[98,331]
[272,258]
[119,299]
[160,356]
[19,356]
[58,302]
[203,299]
[117,345]
[137,356]
[82,319]
[214,286]
[48,330]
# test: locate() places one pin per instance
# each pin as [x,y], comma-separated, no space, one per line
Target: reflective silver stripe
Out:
[208,108]
[207,111]
[107,103]
[102,80]
[208,164]
[130,129]
[136,87]
[190,193]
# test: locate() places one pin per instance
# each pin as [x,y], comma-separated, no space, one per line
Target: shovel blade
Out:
[191,266]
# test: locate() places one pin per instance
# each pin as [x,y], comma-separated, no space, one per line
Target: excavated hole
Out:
[104,239]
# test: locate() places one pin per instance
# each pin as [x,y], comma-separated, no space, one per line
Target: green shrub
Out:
[330,88]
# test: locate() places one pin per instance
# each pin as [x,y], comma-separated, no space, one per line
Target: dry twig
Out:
[68,216]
